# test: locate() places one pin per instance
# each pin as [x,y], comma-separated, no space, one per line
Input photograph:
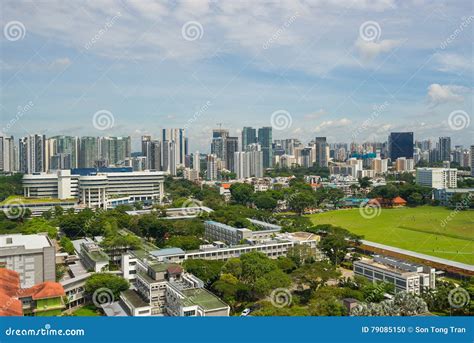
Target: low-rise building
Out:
[31,256]
[405,276]
[162,288]
[43,299]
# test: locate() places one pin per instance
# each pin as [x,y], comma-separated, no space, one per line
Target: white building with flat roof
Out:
[103,190]
[404,275]
[438,178]
[32,256]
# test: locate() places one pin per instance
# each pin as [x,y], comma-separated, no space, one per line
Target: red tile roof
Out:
[11,293]
[45,290]
[10,306]
[398,200]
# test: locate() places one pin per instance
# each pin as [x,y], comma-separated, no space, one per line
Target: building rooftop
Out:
[162,267]
[36,241]
[134,298]
[203,298]
[166,252]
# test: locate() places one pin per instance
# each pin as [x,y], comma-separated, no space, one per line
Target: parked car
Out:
[245,312]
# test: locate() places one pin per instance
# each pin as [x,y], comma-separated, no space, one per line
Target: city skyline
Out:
[141,63]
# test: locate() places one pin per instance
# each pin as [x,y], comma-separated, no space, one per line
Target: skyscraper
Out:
[169,157]
[212,167]
[89,152]
[7,154]
[249,136]
[232,146]
[265,141]
[32,154]
[115,150]
[400,144]
[249,163]
[321,151]
[444,148]
[197,161]
[472,160]
[178,136]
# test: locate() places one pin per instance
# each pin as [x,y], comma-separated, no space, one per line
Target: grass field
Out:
[86,311]
[418,229]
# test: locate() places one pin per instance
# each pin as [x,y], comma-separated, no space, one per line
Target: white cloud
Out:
[371,49]
[333,124]
[440,94]
[61,63]
[449,62]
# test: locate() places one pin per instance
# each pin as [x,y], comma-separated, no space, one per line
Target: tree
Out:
[241,193]
[336,243]
[38,225]
[207,270]
[67,245]
[255,265]
[299,201]
[264,201]
[184,242]
[315,274]
[365,182]
[270,281]
[301,254]
[403,304]
[115,284]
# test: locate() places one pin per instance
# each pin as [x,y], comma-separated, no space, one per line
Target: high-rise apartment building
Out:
[180,146]
[32,153]
[89,152]
[249,163]
[321,151]
[7,154]
[212,167]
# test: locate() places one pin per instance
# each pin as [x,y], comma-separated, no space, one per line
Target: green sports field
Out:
[422,229]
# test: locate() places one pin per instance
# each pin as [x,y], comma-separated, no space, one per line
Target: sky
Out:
[348,70]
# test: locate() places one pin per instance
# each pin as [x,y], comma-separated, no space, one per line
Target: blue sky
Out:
[246,60]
